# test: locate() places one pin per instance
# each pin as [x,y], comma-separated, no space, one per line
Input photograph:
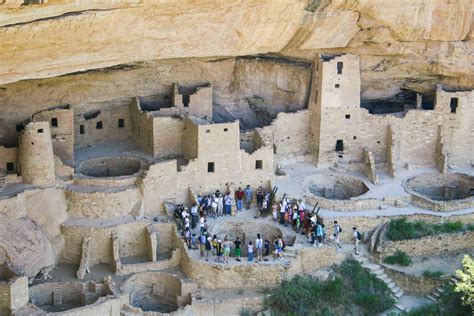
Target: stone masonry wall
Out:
[167,137]
[102,204]
[109,116]
[8,154]
[430,245]
[289,135]
[414,284]
[63,133]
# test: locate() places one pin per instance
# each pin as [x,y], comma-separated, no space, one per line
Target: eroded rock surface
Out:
[24,247]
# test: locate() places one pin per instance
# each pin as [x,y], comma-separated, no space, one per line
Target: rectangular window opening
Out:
[339,145]
[54,122]
[121,123]
[348,116]
[82,129]
[98,125]
[354,137]
[258,164]
[453,104]
[186,100]
[340,65]
[337,85]
[226,129]
[10,166]
[40,130]
[210,167]
[208,130]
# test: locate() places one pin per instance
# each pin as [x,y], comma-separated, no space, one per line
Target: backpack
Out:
[340,229]
[359,236]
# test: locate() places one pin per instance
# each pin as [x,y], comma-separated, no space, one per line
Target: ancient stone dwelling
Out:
[114,113]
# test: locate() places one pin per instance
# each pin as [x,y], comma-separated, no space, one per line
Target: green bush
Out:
[399,257]
[401,229]
[353,287]
[432,274]
[427,310]
[245,312]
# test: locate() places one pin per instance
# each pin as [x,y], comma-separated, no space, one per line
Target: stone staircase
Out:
[436,294]
[378,271]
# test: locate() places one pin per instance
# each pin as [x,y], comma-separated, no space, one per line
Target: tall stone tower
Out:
[334,106]
[36,159]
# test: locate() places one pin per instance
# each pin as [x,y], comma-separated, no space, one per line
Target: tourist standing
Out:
[202,245]
[250,252]
[356,236]
[208,247]
[239,199]
[259,246]
[220,204]
[226,245]
[260,195]
[248,197]
[214,206]
[237,244]
[194,215]
[228,203]
[274,211]
[337,234]
[219,250]
[266,254]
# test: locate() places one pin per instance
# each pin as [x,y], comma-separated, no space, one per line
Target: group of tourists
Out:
[289,212]
[220,250]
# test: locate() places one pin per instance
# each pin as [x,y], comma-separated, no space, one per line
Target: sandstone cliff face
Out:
[404,40]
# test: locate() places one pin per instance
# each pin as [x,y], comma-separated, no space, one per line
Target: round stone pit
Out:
[110,167]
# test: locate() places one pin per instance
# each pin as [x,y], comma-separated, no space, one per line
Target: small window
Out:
[208,130]
[10,166]
[454,104]
[337,85]
[340,156]
[258,164]
[19,127]
[339,67]
[378,142]
[186,100]
[54,122]
[348,116]
[98,125]
[40,130]
[339,145]
[226,129]
[82,129]
[210,167]
[121,123]
[354,137]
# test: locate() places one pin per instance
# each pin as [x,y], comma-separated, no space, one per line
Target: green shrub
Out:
[432,274]
[401,229]
[372,303]
[353,288]
[448,227]
[245,312]
[426,310]
[399,257]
